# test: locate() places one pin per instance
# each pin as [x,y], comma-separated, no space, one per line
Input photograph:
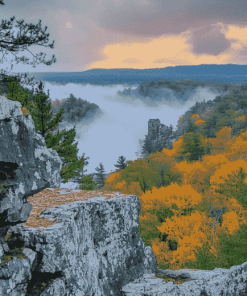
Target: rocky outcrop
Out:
[91,246]
[160,135]
[26,165]
[217,282]
[93,249]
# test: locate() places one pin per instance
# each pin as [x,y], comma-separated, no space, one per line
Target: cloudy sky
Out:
[136,34]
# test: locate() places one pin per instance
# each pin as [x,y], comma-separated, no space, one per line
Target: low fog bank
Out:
[115,129]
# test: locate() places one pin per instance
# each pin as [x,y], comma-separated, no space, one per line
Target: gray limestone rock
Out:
[217,282]
[26,165]
[160,134]
[95,249]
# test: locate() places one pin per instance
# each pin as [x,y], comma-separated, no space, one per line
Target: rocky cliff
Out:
[65,243]
[160,134]
[90,246]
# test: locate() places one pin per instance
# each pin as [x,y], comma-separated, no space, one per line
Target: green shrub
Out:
[88,183]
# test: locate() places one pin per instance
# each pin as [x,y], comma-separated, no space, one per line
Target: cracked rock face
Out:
[26,165]
[95,249]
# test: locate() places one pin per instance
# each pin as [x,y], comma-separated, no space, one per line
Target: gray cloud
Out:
[167,17]
[94,24]
[209,40]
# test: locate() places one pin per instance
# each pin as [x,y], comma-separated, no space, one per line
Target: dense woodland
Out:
[182,89]
[193,195]
[74,108]
[184,85]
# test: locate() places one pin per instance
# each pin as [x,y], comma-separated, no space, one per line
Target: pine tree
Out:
[209,128]
[157,147]
[190,127]
[13,44]
[15,92]
[121,163]
[193,148]
[100,175]
[61,141]
[87,183]
[147,148]
[39,109]
[40,112]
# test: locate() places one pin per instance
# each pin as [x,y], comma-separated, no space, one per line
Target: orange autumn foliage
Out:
[193,196]
[193,173]
[183,196]
[193,232]
[199,122]
[222,138]
[115,182]
[194,116]
[189,235]
[227,172]
[242,118]
[177,147]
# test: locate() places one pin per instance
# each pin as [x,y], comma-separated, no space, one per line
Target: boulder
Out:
[26,165]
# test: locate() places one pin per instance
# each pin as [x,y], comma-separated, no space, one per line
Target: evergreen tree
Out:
[61,142]
[40,112]
[13,44]
[87,183]
[190,127]
[15,92]
[157,146]
[147,148]
[100,175]
[193,148]
[209,128]
[39,109]
[121,163]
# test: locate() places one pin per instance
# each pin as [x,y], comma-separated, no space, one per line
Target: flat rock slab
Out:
[217,282]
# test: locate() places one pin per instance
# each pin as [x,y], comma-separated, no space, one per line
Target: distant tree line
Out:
[74,108]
